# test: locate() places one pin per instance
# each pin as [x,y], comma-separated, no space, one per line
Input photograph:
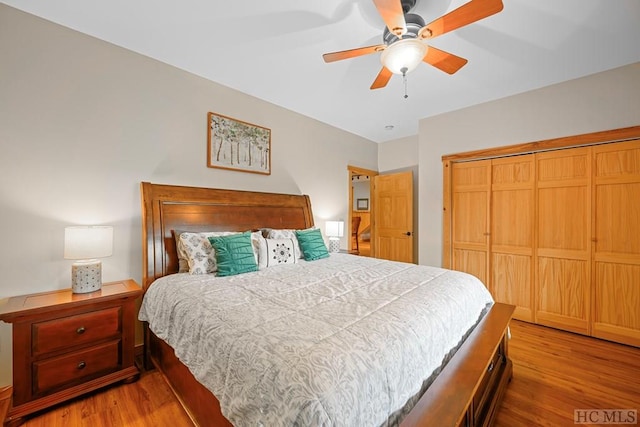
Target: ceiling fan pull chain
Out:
[404,79]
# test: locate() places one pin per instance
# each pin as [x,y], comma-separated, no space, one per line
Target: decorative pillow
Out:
[234,254]
[197,249]
[312,244]
[183,262]
[287,234]
[259,248]
[280,251]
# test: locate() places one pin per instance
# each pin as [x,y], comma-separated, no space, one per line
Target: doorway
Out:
[361,202]
[384,204]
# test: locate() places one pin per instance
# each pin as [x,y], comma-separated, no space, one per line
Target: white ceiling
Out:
[272,49]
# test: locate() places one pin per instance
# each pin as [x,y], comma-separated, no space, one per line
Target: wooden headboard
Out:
[168,207]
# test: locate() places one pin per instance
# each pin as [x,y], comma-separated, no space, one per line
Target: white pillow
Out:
[287,234]
[259,244]
[280,251]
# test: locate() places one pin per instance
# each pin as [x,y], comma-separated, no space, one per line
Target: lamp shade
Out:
[88,242]
[334,228]
[404,55]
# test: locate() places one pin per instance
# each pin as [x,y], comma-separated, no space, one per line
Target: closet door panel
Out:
[569,165]
[470,218]
[511,282]
[563,218]
[511,237]
[472,262]
[617,302]
[616,298]
[563,286]
[512,219]
[618,215]
[470,201]
[563,259]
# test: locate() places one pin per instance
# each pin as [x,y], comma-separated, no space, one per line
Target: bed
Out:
[465,391]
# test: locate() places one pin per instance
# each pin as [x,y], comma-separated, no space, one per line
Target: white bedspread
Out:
[344,341]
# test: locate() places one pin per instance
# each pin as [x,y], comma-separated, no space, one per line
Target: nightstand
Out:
[66,344]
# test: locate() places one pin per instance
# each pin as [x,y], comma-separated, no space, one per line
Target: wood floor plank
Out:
[149,402]
[554,373]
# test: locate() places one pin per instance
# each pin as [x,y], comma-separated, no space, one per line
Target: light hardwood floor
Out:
[149,402]
[554,373]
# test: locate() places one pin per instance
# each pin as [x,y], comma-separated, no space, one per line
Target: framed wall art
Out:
[362,204]
[237,145]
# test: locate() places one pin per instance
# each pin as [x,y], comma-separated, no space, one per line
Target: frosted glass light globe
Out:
[403,54]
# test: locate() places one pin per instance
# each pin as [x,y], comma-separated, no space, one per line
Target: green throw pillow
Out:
[234,254]
[312,244]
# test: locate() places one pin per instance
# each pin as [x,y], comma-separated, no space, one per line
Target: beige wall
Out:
[599,102]
[83,122]
[398,154]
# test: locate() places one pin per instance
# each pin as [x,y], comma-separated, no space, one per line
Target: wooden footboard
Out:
[466,393]
[470,388]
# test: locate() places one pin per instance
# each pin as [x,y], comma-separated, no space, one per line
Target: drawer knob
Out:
[81,365]
[80,330]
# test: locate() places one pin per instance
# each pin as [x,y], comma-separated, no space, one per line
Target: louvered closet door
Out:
[563,262]
[471,187]
[616,267]
[512,214]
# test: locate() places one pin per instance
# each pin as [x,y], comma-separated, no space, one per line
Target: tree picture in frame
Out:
[237,145]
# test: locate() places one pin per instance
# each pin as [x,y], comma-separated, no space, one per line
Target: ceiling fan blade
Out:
[466,14]
[383,78]
[392,15]
[445,61]
[352,53]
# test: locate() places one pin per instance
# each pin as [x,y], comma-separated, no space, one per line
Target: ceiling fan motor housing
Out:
[414,24]
[407,5]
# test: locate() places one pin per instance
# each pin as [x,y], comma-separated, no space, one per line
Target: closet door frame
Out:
[592,326]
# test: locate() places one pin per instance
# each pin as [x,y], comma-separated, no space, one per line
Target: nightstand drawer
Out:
[75,330]
[75,367]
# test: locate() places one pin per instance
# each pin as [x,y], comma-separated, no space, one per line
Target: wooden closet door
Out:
[563,261]
[512,236]
[470,198]
[616,231]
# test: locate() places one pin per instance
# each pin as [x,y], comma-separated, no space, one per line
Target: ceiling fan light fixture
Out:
[404,55]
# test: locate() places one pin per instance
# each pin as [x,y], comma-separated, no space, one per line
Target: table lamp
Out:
[334,230]
[85,244]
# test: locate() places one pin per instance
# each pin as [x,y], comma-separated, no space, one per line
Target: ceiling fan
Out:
[404,46]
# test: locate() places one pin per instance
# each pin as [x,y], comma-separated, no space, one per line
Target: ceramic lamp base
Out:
[334,244]
[86,276]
